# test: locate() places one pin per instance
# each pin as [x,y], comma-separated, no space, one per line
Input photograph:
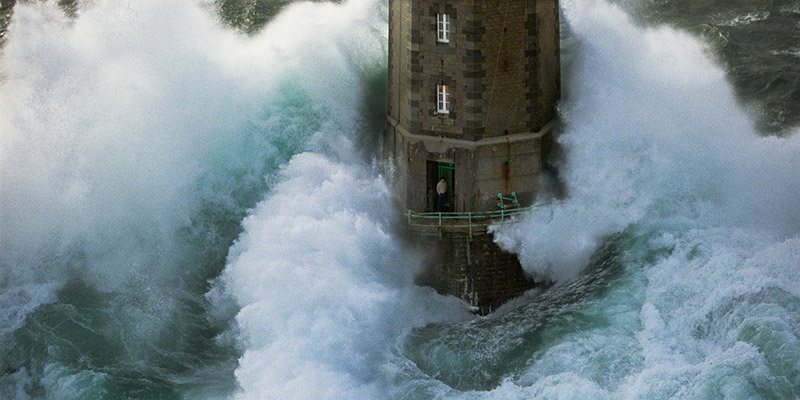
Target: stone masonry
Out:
[501,65]
[478,271]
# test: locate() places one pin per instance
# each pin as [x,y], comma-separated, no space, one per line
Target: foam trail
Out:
[653,129]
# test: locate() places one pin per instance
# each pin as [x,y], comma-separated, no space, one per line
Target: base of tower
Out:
[474,268]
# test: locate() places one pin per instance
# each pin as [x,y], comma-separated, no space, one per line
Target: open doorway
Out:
[435,172]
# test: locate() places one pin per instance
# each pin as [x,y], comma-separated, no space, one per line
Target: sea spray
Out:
[675,251]
[103,132]
[133,140]
[692,294]
[324,288]
[664,164]
[103,137]
[652,130]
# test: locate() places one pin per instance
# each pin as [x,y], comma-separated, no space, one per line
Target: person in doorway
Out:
[441,191]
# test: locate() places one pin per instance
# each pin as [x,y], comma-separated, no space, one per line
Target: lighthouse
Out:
[472,88]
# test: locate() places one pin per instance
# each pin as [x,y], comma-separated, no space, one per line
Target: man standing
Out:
[441,190]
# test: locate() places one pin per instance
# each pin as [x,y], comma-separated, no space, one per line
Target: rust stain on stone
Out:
[506,175]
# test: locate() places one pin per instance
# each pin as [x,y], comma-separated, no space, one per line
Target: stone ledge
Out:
[440,144]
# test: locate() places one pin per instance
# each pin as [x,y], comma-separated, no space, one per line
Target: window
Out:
[443,27]
[443,99]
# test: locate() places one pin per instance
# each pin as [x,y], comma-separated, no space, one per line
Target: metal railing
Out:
[465,220]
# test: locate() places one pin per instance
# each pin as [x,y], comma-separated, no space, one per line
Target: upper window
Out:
[443,99]
[443,28]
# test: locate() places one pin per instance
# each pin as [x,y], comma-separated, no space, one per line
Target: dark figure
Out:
[441,191]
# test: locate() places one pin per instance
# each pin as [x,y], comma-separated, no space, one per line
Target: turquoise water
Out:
[193,212]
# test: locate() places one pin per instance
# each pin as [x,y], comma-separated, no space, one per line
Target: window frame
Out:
[443,28]
[442,99]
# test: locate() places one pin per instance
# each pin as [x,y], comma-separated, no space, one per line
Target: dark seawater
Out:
[189,209]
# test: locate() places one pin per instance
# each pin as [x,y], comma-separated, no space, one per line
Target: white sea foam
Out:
[104,129]
[658,147]
[653,129]
[792,51]
[747,19]
[107,121]
[325,289]
[116,126]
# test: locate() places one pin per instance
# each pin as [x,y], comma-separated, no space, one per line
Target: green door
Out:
[447,171]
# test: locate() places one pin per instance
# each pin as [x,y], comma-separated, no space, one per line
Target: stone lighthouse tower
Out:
[473,87]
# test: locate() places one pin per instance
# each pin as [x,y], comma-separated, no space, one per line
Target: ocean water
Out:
[191,206]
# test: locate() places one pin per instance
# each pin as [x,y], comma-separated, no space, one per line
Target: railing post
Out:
[409,218]
[469,215]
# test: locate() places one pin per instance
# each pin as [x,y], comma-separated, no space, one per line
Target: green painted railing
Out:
[465,220]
